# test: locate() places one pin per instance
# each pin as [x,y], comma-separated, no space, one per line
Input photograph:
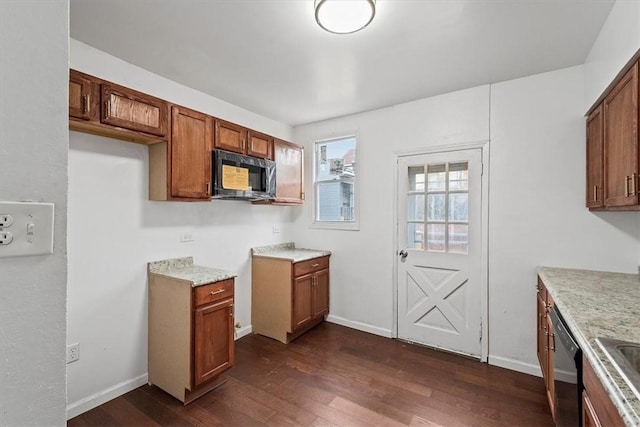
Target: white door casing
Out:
[440,284]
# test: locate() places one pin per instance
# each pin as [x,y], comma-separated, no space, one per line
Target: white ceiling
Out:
[270,57]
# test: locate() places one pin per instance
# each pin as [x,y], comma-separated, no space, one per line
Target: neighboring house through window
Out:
[335,183]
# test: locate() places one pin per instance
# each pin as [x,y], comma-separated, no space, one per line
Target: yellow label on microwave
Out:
[234,178]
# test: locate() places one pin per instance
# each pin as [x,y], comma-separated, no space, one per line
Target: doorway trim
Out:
[484,146]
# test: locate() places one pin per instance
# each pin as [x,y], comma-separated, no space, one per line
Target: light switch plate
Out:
[31,228]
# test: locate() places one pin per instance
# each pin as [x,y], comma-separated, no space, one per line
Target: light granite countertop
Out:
[183,269]
[288,251]
[600,304]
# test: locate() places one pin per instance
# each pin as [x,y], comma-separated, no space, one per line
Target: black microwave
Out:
[240,177]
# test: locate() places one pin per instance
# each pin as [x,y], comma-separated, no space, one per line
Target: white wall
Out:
[34,59]
[618,41]
[537,213]
[362,261]
[536,204]
[114,230]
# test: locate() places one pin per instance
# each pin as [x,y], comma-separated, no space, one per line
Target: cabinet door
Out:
[80,96]
[321,293]
[589,417]
[301,304]
[191,135]
[230,137]
[550,350]
[595,159]
[259,145]
[213,340]
[289,172]
[542,337]
[133,110]
[621,141]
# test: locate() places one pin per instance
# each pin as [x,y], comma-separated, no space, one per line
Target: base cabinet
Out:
[545,338]
[191,335]
[288,298]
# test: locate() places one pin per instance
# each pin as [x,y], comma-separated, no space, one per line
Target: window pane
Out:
[335,178]
[415,237]
[459,207]
[435,237]
[435,207]
[415,207]
[436,177]
[459,238]
[459,176]
[416,178]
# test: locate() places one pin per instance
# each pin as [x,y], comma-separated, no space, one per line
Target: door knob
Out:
[403,254]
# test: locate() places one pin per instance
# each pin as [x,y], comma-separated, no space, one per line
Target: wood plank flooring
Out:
[336,376]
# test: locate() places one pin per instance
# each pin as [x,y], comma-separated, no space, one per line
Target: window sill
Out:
[336,225]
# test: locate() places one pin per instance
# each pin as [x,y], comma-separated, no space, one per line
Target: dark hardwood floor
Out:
[339,376]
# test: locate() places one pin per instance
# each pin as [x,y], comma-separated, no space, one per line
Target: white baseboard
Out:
[515,365]
[243,331]
[97,399]
[365,327]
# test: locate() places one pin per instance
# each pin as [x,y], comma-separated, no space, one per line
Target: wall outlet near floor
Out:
[276,229]
[73,352]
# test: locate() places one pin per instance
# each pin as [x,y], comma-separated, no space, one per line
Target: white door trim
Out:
[484,275]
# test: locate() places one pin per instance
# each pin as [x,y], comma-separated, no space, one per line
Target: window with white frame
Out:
[335,183]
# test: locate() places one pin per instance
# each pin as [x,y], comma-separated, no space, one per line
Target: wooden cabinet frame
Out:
[288,298]
[191,335]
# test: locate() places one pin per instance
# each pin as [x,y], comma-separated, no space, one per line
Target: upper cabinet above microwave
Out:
[233,137]
[613,147]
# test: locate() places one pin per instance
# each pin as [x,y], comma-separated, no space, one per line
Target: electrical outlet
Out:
[276,229]
[5,237]
[73,352]
[5,220]
[186,237]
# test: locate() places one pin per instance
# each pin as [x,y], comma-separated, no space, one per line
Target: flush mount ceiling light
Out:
[344,16]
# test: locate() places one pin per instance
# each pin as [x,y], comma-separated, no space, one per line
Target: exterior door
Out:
[440,250]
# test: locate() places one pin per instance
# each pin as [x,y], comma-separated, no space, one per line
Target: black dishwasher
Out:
[567,373]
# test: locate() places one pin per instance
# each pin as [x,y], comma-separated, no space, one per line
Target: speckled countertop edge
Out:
[287,251]
[184,270]
[600,304]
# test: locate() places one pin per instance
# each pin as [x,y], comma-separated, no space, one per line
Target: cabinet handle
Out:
[85,104]
[633,180]
[546,347]
[595,193]
[208,188]
[314,265]
[219,291]
[553,340]
[627,193]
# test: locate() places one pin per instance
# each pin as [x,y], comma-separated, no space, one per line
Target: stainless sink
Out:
[625,356]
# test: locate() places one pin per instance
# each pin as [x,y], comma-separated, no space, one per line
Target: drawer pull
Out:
[314,265]
[219,291]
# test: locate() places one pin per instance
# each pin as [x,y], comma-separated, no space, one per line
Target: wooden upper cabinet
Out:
[191,136]
[230,136]
[595,159]
[289,160]
[82,97]
[133,110]
[259,145]
[621,142]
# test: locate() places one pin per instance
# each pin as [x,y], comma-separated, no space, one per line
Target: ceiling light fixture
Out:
[344,16]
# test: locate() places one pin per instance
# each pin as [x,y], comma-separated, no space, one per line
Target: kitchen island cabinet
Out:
[290,290]
[191,327]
